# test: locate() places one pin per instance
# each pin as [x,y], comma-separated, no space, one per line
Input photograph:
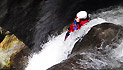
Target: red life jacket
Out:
[83,22]
[73,27]
[79,24]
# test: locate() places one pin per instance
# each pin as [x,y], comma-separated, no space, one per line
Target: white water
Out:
[117,53]
[57,50]
[114,15]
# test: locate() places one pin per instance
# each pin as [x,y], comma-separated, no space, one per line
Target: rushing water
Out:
[57,49]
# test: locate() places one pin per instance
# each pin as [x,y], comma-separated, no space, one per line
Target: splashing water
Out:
[117,53]
[115,15]
[57,50]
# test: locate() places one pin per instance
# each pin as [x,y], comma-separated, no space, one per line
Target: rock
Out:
[73,63]
[20,60]
[9,47]
[99,36]
[13,52]
[90,54]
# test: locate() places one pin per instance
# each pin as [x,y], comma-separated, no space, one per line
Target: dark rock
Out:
[91,49]
[99,36]
[20,17]
[71,64]
[20,60]
[3,33]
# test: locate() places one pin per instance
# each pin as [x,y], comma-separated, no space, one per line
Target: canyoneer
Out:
[81,19]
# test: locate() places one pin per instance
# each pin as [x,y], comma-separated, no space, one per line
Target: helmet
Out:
[82,15]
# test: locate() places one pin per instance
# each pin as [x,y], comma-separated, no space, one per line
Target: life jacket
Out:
[82,22]
[77,25]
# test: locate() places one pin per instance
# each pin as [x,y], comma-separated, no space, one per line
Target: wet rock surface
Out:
[90,53]
[13,52]
[20,60]
[99,36]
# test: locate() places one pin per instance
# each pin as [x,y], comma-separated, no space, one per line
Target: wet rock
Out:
[20,60]
[99,36]
[73,63]
[90,54]
[13,52]
[9,47]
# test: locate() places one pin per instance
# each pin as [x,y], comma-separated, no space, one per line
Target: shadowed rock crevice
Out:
[3,33]
[1,37]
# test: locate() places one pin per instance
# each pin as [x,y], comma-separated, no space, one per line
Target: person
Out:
[81,19]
